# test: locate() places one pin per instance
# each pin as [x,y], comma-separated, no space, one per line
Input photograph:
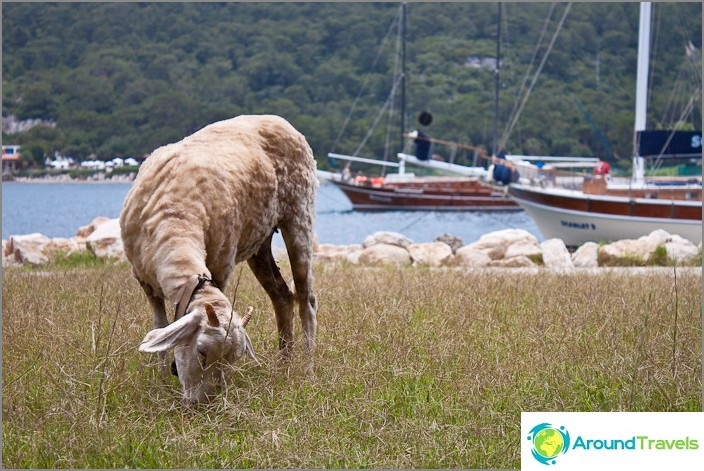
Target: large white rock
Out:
[68,246]
[434,254]
[496,244]
[640,249]
[556,256]
[470,258]
[334,253]
[106,240]
[586,255]
[85,231]
[681,250]
[28,249]
[353,257]
[513,262]
[386,237]
[526,247]
[384,254]
[279,253]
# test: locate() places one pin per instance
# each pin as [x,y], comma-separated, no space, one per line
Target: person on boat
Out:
[346,173]
[422,142]
[602,168]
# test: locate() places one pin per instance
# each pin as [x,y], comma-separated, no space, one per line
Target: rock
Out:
[280,254]
[353,257]
[28,249]
[85,231]
[434,254]
[556,256]
[106,240]
[383,254]
[513,262]
[453,241]
[470,258]
[527,247]
[680,250]
[389,238]
[496,244]
[610,254]
[68,246]
[639,250]
[586,255]
[656,238]
[334,253]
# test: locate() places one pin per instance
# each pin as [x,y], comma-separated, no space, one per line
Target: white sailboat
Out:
[602,209]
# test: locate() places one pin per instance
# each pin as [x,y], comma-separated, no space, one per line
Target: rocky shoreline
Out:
[510,248]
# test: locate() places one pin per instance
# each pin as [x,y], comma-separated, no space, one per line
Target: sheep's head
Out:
[204,346]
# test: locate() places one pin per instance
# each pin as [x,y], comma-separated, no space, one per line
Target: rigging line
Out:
[529,69]
[378,118]
[688,109]
[415,221]
[397,72]
[675,93]
[507,134]
[366,81]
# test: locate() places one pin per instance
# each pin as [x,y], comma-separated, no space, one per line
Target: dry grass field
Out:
[415,368]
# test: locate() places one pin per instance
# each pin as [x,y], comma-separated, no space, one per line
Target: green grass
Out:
[415,368]
[62,261]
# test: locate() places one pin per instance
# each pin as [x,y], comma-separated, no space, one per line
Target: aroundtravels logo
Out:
[548,442]
[611,440]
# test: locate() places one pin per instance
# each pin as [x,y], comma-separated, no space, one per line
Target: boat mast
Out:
[403,73]
[497,83]
[641,89]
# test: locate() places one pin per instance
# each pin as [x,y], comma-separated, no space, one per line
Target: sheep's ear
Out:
[159,340]
[247,317]
[212,317]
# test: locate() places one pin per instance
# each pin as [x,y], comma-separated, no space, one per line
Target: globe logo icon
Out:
[548,442]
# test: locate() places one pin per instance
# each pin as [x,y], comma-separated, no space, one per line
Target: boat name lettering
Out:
[579,225]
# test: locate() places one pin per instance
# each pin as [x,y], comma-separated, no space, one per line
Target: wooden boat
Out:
[472,189]
[425,194]
[469,191]
[601,209]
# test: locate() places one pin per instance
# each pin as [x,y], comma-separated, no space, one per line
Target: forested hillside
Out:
[120,79]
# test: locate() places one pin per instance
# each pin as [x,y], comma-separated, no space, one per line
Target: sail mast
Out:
[403,73]
[497,83]
[641,88]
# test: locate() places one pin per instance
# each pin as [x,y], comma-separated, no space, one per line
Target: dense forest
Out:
[120,79]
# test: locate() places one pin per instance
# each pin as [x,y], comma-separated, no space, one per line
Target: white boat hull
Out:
[578,227]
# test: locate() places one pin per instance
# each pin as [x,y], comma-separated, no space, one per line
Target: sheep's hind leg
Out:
[299,244]
[267,273]
[159,320]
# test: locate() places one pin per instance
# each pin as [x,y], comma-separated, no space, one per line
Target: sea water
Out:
[59,209]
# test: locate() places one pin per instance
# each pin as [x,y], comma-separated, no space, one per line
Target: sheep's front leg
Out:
[267,273]
[159,320]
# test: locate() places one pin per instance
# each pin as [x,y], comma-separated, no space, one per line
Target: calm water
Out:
[59,209]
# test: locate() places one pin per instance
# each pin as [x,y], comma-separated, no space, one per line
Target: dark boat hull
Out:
[455,195]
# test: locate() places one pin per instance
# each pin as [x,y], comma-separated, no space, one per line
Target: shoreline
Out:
[508,248]
[45,180]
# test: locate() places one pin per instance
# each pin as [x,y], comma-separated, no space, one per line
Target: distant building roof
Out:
[10,152]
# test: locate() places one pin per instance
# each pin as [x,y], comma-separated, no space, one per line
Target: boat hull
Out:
[577,218]
[435,196]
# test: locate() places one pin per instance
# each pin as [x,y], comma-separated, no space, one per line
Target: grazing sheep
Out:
[196,209]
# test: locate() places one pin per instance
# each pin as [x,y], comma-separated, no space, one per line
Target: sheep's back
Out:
[219,192]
